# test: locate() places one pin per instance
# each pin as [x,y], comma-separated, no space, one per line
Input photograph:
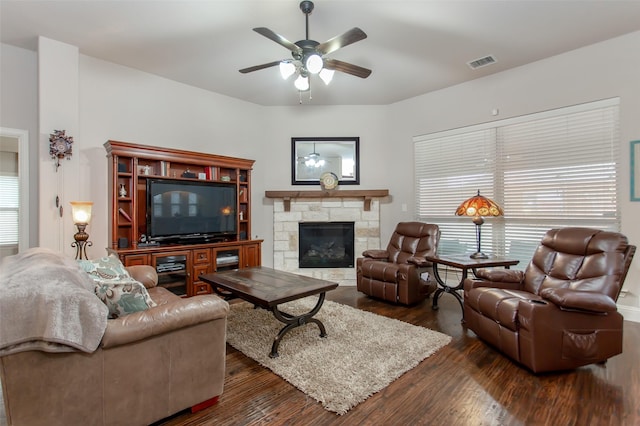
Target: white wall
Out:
[58,110]
[604,70]
[19,110]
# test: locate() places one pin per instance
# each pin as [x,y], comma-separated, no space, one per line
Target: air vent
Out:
[482,62]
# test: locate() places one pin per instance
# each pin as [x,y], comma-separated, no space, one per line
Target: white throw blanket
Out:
[47,303]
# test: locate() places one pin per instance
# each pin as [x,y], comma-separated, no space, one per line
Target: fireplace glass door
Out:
[326,244]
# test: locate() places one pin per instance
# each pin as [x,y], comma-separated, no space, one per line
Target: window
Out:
[9,199]
[551,169]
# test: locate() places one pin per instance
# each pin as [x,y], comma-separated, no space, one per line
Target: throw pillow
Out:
[124,297]
[115,287]
[105,268]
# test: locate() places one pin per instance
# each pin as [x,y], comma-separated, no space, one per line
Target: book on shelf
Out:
[125,214]
[210,172]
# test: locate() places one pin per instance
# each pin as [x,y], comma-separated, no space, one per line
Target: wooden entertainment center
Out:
[178,264]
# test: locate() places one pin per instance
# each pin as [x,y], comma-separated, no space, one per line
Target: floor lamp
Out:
[81,213]
[477,207]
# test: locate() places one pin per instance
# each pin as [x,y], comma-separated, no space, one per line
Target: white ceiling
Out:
[413,47]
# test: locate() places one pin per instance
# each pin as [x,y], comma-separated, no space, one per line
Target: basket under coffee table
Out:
[267,288]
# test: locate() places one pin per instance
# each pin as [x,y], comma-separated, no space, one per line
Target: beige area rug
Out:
[362,353]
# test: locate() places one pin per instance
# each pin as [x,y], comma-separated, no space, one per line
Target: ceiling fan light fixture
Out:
[287,69]
[302,83]
[314,63]
[309,56]
[326,75]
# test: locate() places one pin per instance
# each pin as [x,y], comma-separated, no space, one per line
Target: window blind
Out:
[552,169]
[9,210]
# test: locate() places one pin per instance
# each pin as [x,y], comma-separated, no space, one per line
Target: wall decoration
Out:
[60,146]
[313,157]
[635,171]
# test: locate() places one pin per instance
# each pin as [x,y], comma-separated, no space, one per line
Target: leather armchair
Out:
[560,312]
[396,274]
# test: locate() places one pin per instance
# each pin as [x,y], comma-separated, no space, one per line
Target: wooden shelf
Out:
[366,194]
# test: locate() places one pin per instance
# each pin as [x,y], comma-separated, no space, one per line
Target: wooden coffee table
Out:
[267,288]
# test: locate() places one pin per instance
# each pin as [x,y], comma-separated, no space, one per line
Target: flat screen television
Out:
[185,211]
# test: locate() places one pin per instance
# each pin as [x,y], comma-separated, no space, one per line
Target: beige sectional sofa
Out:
[148,365]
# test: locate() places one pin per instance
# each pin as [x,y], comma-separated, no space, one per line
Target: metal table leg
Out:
[292,322]
[444,288]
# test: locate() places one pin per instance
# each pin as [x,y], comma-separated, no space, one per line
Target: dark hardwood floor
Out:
[465,383]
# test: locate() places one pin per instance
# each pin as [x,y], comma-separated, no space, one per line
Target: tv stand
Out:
[130,166]
[179,266]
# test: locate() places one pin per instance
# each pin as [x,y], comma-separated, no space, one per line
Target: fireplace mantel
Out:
[366,194]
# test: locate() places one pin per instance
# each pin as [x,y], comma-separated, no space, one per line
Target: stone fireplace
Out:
[291,208]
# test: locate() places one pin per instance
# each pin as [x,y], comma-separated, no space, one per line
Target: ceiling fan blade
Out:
[350,37]
[334,64]
[277,38]
[260,67]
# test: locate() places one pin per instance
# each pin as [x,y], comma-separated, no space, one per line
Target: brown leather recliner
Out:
[396,274]
[560,313]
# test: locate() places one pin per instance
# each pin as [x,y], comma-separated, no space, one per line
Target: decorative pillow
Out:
[123,297]
[115,287]
[106,268]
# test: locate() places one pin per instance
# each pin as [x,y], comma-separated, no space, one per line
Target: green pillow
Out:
[105,268]
[115,287]
[124,297]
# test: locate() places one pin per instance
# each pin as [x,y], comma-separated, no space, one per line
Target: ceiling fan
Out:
[313,159]
[309,55]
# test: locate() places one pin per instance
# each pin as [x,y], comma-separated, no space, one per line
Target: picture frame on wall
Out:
[313,157]
[635,170]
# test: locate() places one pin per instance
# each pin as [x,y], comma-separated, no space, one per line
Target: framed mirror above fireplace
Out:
[311,157]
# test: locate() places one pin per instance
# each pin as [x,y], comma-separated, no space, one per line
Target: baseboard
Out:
[630,313]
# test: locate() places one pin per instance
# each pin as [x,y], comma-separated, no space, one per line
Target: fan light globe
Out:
[326,75]
[314,63]
[287,69]
[302,83]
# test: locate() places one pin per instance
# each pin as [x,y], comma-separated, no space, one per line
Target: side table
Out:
[464,263]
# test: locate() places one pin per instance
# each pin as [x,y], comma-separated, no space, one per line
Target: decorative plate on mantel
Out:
[328,180]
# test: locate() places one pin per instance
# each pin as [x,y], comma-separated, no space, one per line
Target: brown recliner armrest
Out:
[176,314]
[508,279]
[471,283]
[376,254]
[419,261]
[500,275]
[145,274]
[567,298]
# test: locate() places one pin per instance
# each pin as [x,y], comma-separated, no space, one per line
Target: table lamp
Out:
[477,207]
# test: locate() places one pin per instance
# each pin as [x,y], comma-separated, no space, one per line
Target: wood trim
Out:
[366,194]
[128,149]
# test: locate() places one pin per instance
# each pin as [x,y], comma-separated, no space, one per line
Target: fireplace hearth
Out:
[326,244]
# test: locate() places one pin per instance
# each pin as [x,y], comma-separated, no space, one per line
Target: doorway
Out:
[14,191]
